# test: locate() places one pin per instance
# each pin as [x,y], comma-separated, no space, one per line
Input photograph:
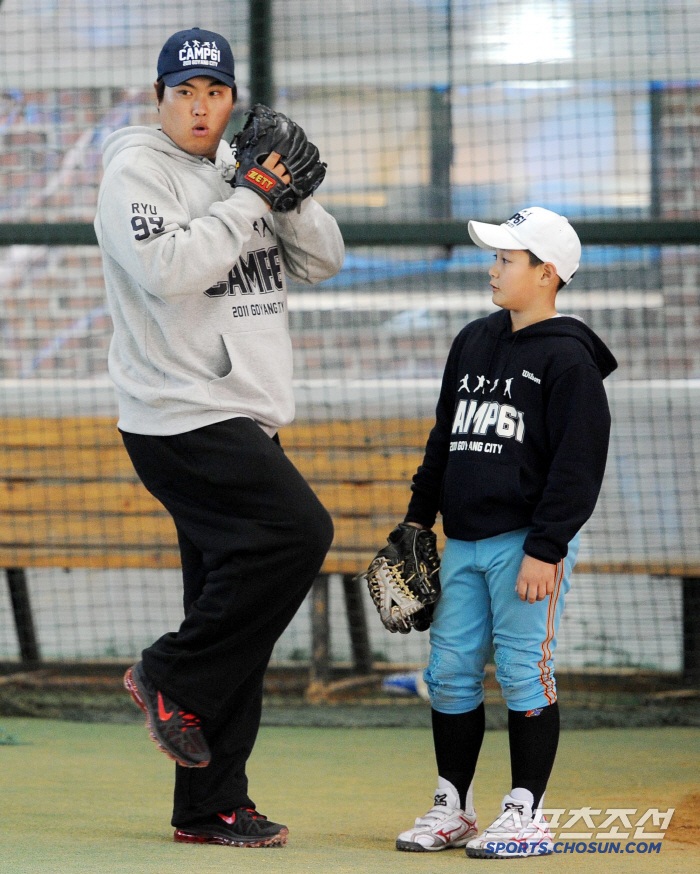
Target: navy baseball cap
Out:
[196,52]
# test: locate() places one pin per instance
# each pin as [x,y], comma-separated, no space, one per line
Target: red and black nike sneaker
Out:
[177,732]
[244,827]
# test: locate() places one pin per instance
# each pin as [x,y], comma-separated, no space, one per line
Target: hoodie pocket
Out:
[482,489]
[259,380]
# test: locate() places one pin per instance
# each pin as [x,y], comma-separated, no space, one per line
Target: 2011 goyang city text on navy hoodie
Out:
[521,434]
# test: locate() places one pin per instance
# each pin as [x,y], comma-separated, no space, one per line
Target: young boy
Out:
[514,463]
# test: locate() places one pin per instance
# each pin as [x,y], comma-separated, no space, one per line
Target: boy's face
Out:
[514,281]
[195,114]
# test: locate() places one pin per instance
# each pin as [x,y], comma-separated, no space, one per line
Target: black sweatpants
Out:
[252,537]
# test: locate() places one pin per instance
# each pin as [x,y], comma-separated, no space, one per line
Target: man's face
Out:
[513,280]
[195,114]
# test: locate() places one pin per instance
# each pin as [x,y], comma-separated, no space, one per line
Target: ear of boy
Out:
[539,303]
[549,274]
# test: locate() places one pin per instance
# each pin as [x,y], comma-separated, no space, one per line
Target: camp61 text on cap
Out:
[196,52]
[546,234]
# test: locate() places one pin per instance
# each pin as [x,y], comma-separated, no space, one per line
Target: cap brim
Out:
[173,79]
[493,236]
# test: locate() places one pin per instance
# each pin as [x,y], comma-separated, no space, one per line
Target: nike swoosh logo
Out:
[162,712]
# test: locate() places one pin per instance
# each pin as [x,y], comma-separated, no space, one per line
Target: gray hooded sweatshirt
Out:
[195,277]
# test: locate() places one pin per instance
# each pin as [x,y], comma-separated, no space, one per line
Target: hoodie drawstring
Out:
[503,369]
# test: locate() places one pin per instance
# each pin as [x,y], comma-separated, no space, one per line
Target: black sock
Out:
[457,738]
[533,748]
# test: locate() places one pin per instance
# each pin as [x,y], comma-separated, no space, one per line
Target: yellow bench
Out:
[70,498]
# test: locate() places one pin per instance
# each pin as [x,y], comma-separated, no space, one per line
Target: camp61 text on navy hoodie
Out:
[521,434]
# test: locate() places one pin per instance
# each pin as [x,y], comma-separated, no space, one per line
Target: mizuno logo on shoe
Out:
[441,800]
[162,712]
[447,833]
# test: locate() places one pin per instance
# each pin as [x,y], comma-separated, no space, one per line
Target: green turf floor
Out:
[95,798]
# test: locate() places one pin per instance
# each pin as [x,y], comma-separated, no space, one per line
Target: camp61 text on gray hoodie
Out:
[195,277]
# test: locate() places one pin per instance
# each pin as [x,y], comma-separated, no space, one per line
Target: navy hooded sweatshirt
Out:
[521,434]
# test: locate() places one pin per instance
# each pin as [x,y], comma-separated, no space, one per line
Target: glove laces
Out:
[397,580]
[430,555]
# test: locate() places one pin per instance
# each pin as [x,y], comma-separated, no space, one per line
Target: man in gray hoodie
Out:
[202,362]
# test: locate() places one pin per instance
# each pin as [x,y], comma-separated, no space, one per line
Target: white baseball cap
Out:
[546,234]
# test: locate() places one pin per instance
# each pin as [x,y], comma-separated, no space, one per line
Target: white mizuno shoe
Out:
[444,826]
[515,833]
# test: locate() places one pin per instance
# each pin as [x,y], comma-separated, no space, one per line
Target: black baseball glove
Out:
[268,131]
[404,579]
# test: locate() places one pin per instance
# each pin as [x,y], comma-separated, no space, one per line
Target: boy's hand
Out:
[535,579]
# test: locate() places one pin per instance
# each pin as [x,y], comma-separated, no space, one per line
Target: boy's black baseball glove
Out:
[404,579]
[268,131]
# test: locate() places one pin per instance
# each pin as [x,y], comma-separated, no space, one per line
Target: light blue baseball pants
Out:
[479,604]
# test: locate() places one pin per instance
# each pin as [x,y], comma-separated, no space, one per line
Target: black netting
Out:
[425,111]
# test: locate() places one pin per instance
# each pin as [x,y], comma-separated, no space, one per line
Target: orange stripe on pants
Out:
[545,669]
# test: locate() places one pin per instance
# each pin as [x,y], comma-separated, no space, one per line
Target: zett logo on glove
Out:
[260,179]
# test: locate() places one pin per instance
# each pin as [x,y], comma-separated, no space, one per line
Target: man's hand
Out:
[275,159]
[273,163]
[535,579]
